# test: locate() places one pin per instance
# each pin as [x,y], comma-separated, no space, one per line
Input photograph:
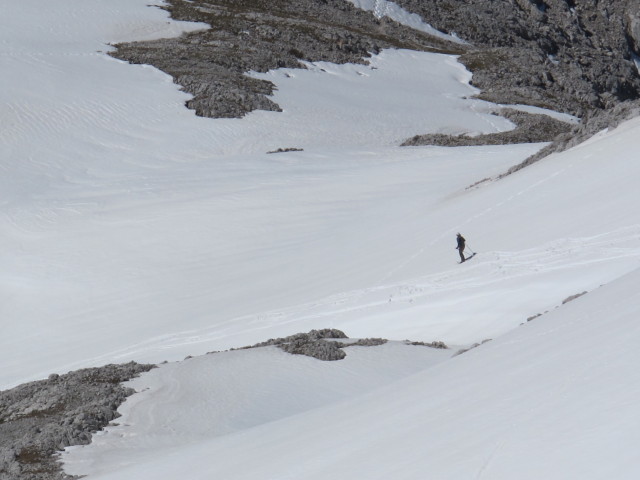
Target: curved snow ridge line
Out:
[478,215]
[251,388]
[383,8]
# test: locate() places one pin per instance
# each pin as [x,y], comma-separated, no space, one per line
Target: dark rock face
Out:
[40,418]
[594,122]
[567,55]
[260,35]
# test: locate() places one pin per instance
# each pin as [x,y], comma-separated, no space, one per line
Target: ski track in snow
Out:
[124,211]
[489,274]
[131,229]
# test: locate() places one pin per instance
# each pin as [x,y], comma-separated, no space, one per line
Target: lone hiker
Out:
[460,247]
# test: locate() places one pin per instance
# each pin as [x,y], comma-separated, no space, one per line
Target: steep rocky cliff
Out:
[568,55]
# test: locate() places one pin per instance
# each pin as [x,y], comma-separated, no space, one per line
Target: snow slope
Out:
[554,399]
[181,405]
[132,229]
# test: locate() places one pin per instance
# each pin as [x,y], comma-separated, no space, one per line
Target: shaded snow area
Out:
[130,229]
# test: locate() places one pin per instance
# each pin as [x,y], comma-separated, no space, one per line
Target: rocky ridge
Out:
[530,128]
[41,418]
[565,55]
[575,57]
[326,344]
[594,122]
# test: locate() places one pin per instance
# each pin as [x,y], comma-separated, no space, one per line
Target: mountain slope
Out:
[145,231]
[130,229]
[572,56]
[553,399]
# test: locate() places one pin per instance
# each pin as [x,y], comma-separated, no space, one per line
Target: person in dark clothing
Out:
[460,247]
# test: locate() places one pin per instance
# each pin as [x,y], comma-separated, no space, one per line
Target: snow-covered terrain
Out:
[130,229]
[555,399]
[251,388]
[142,229]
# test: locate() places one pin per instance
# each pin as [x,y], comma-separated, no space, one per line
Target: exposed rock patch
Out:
[328,344]
[530,128]
[318,344]
[40,418]
[568,56]
[565,55]
[288,149]
[260,35]
[435,344]
[571,298]
[574,57]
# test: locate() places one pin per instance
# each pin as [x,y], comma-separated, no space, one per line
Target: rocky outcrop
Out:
[260,35]
[566,55]
[319,344]
[40,418]
[573,57]
[530,128]
[569,56]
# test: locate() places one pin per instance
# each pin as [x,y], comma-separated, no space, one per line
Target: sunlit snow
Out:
[130,229]
[142,229]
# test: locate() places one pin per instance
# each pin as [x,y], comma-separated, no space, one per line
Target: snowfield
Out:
[284,386]
[555,398]
[130,229]
[143,230]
